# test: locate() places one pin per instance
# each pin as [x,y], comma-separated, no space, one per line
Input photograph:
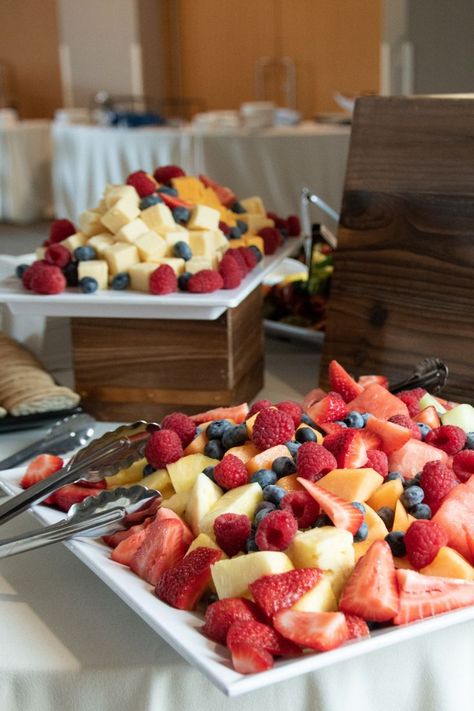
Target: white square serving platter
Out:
[181,629]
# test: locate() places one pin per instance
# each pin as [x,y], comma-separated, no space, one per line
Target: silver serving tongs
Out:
[106,513]
[430,373]
[103,457]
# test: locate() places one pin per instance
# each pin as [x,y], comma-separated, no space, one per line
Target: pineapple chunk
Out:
[127,476]
[178,502]
[232,577]
[204,495]
[321,598]
[185,471]
[242,500]
[205,541]
[159,480]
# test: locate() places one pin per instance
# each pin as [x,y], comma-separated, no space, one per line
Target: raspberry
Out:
[163,447]
[303,507]
[257,406]
[230,272]
[221,614]
[142,182]
[163,280]
[165,173]
[27,276]
[58,255]
[280,222]
[181,424]
[293,225]
[292,409]
[313,461]
[224,227]
[249,257]
[205,281]
[412,398]
[59,230]
[449,438]
[463,464]
[261,636]
[272,427]
[48,280]
[423,540]
[235,254]
[379,461]
[272,239]
[276,531]
[357,626]
[436,480]
[230,472]
[231,531]
[405,421]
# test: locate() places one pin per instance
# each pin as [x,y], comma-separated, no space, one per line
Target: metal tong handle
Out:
[21,456]
[431,374]
[59,532]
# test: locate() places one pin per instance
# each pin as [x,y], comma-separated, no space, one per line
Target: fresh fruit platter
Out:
[159,234]
[291,536]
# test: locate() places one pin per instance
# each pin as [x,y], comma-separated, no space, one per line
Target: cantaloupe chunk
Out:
[386,495]
[244,452]
[198,444]
[449,564]
[264,460]
[319,436]
[290,482]
[249,423]
[402,520]
[377,532]
[352,484]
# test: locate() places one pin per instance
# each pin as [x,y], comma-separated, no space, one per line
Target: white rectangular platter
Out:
[134,304]
[181,629]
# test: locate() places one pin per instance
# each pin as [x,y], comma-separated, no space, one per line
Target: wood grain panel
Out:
[404,268]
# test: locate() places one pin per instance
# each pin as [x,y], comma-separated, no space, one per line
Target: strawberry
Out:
[220,615]
[71,494]
[425,595]
[39,468]
[162,547]
[173,201]
[247,659]
[260,635]
[316,630]
[273,593]
[330,408]
[370,439]
[331,427]
[366,380]
[342,513]
[114,539]
[348,447]
[393,436]
[342,383]
[126,549]
[357,627]
[371,591]
[184,584]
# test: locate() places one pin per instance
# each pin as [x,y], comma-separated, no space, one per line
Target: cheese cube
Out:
[130,232]
[167,229]
[97,269]
[157,217]
[151,247]
[120,257]
[256,241]
[202,243]
[220,240]
[256,222]
[90,223]
[171,238]
[101,242]
[40,252]
[175,263]
[140,276]
[204,218]
[114,193]
[254,204]
[197,263]
[101,207]
[73,241]
[121,213]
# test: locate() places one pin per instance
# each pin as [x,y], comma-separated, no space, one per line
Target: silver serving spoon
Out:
[106,513]
[64,436]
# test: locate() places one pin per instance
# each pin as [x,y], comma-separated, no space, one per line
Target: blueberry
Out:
[264,477]
[424,429]
[148,469]
[183,281]
[354,419]
[217,428]
[120,281]
[234,436]
[21,269]
[243,227]
[341,423]
[214,449]
[414,481]
[238,208]
[305,434]
[395,475]
[181,214]
[387,515]
[365,417]
[358,505]
[421,511]
[85,253]
[293,448]
[283,466]
[168,191]
[88,285]
[183,251]
[322,520]
[257,252]
[274,494]
[412,496]
[234,233]
[260,515]
[209,472]
[469,441]
[149,200]
[70,272]
[265,505]
[307,420]
[250,545]
[362,533]
[396,541]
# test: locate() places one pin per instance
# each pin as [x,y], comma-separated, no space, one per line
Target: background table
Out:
[25,171]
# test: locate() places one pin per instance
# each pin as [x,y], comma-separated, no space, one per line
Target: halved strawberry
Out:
[184,584]
[126,549]
[425,595]
[331,407]
[247,659]
[173,201]
[342,382]
[273,593]
[371,591]
[365,380]
[316,630]
[341,512]
[348,447]
[237,414]
[331,427]
[261,635]
[114,539]
[311,398]
[370,439]
[71,494]
[39,468]
[393,436]
[220,615]
[357,627]
[163,547]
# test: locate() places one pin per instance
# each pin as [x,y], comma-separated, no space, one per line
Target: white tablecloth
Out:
[25,171]
[274,163]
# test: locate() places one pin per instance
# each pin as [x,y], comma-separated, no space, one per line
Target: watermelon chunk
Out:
[422,596]
[379,402]
[456,516]
[237,413]
[412,457]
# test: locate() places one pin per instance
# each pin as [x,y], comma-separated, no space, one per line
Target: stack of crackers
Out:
[25,387]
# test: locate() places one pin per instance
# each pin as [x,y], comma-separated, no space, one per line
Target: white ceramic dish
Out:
[181,629]
[134,304]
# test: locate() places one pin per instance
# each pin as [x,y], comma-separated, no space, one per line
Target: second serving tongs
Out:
[103,457]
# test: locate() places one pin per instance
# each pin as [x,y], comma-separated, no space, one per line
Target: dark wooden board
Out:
[403,284]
